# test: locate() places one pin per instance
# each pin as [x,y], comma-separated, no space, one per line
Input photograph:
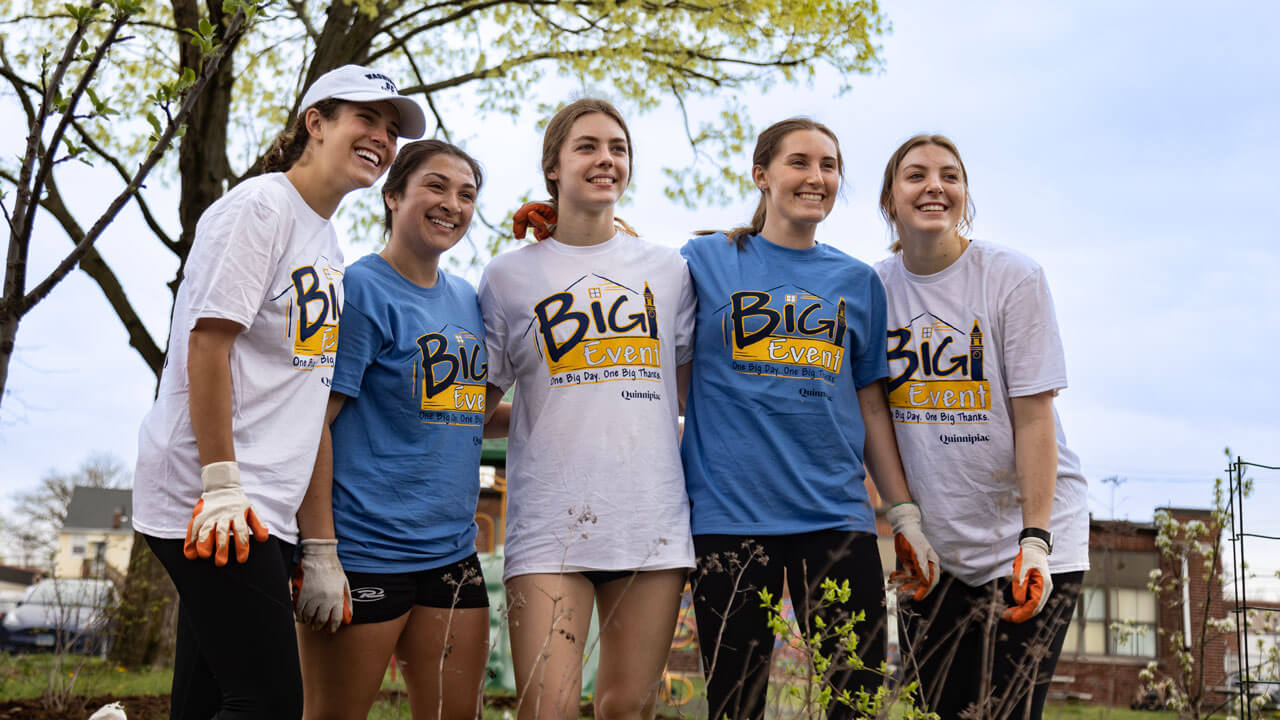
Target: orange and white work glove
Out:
[536,215]
[321,595]
[919,573]
[1032,583]
[222,513]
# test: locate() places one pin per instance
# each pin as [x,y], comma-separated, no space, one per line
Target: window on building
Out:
[79,545]
[1138,607]
[1115,592]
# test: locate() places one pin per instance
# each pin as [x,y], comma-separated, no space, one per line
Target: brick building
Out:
[1101,665]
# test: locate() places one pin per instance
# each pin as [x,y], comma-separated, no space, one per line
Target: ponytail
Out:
[290,144]
[739,235]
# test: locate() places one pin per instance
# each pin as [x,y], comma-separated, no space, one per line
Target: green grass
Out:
[27,676]
[1076,711]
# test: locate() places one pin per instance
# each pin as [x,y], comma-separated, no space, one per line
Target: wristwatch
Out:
[1040,533]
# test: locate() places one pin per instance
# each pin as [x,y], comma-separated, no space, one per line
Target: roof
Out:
[18,575]
[1121,526]
[95,509]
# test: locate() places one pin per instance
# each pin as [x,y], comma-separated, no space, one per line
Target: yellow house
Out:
[97,535]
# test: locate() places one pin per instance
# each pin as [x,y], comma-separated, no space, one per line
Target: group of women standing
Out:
[347,406]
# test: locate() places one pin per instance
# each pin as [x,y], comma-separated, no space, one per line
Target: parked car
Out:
[61,614]
[9,600]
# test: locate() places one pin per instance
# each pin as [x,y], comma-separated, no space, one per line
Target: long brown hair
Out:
[410,158]
[290,144]
[767,145]
[557,133]
[891,171]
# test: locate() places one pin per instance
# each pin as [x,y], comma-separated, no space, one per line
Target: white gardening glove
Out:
[321,595]
[919,573]
[1032,583]
[221,511]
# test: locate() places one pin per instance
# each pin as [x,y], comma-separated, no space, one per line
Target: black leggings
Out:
[956,640]
[237,653]
[733,628]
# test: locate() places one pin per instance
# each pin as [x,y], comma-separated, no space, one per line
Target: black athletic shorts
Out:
[377,597]
[600,577]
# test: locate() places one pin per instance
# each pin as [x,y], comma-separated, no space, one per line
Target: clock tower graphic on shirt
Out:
[651,311]
[975,352]
[931,368]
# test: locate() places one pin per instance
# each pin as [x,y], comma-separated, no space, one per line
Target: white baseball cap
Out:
[355,83]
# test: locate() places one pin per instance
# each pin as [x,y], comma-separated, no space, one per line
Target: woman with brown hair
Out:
[227,452]
[591,326]
[975,361]
[390,514]
[786,414]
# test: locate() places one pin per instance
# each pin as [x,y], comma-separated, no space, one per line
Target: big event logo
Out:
[784,332]
[452,382]
[937,373]
[598,330]
[318,307]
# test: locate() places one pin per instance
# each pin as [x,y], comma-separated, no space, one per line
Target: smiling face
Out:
[929,192]
[800,182]
[355,147]
[593,165]
[434,210]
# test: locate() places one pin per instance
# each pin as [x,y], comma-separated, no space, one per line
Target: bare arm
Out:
[1035,453]
[315,515]
[682,383]
[209,377]
[881,450]
[497,414]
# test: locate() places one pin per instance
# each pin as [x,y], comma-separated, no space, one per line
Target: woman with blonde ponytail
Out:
[786,413]
[592,326]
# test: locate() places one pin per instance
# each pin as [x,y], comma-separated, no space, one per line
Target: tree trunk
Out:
[8,335]
[148,618]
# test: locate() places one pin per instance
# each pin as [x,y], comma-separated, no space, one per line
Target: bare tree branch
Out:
[45,168]
[19,239]
[299,8]
[446,20]
[96,267]
[137,195]
[64,16]
[234,29]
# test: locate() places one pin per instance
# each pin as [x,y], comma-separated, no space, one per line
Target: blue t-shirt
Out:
[406,446]
[773,434]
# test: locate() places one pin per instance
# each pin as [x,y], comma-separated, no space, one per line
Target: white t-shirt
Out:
[962,342]
[591,337]
[264,259]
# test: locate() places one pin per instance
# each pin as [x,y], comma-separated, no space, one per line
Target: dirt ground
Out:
[155,707]
[137,707]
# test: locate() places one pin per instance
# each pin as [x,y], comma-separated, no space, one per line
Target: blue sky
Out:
[1128,147]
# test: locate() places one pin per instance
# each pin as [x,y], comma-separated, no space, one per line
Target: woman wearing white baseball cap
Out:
[236,423]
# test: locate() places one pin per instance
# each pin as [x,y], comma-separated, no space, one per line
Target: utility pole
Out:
[1114,481]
